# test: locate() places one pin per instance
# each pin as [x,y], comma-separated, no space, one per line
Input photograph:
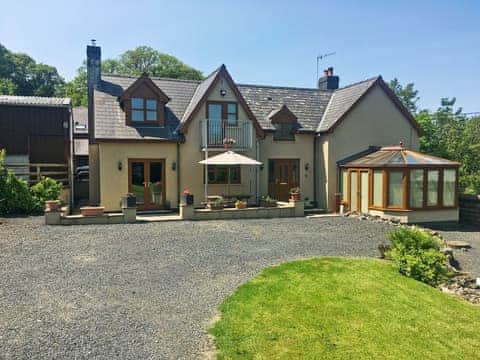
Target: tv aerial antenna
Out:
[321,57]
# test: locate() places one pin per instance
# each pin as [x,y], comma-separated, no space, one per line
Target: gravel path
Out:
[470,259]
[144,291]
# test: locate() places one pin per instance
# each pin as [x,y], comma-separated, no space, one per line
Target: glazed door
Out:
[147,182]
[284,175]
[359,191]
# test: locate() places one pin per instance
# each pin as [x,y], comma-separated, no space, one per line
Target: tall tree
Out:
[21,75]
[407,94]
[142,59]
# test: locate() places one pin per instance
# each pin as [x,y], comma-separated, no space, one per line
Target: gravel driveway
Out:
[144,291]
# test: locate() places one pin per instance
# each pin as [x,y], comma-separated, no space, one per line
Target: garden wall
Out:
[470,209]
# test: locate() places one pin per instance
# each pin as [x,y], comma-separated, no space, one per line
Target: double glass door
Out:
[147,182]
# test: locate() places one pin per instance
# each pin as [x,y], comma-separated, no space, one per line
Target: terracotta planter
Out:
[51,205]
[295,196]
[92,210]
[242,205]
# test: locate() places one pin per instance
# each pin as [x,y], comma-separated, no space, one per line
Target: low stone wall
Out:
[470,209]
[284,209]
[418,216]
[127,216]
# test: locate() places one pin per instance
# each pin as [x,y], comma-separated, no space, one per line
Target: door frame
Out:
[147,195]
[359,189]
[271,185]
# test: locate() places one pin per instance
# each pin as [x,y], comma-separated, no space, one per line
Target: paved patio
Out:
[145,290]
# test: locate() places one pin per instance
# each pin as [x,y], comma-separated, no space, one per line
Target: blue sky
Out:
[431,43]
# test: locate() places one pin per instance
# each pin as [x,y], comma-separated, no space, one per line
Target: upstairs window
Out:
[284,131]
[143,110]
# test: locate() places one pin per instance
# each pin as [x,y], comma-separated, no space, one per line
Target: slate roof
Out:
[316,110]
[34,101]
[308,105]
[342,100]
[80,120]
[110,118]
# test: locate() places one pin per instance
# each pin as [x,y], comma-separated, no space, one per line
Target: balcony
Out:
[213,132]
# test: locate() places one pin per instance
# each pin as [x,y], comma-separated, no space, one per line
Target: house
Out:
[147,135]
[35,133]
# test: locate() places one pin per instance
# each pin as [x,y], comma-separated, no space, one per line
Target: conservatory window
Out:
[416,188]
[395,189]
[432,187]
[449,186]
[378,188]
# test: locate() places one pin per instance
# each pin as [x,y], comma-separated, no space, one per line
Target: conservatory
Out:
[394,182]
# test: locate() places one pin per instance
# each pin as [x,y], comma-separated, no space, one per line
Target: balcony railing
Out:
[213,133]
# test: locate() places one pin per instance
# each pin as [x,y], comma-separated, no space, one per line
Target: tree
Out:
[77,88]
[406,94]
[21,75]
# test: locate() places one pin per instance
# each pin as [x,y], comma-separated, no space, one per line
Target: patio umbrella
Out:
[228,158]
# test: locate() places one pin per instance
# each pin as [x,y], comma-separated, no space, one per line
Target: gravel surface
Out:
[144,291]
[469,259]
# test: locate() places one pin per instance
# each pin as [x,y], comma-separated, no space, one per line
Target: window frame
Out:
[225,112]
[145,110]
[216,169]
[405,187]
[283,137]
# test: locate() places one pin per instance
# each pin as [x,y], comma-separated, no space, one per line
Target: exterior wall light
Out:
[307,166]
[223,92]
[174,166]
[119,166]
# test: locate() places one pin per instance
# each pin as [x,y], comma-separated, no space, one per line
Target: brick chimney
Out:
[94,62]
[328,81]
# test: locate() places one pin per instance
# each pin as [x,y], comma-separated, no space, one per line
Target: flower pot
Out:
[92,210]
[215,207]
[295,196]
[187,199]
[129,201]
[241,205]
[51,205]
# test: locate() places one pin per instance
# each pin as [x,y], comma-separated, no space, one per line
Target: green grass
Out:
[334,308]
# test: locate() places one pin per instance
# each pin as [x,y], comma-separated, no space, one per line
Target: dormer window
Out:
[144,103]
[285,124]
[144,110]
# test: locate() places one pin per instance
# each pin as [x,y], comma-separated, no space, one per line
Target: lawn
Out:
[338,308]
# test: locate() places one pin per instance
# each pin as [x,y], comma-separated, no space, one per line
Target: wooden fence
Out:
[470,209]
[33,173]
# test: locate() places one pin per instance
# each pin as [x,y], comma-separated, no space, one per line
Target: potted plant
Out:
[228,143]
[268,201]
[217,204]
[187,197]
[239,204]
[51,205]
[129,201]
[295,193]
[92,210]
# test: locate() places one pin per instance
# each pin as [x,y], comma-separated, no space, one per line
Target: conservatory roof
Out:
[398,156]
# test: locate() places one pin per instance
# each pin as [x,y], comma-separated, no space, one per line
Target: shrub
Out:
[45,189]
[17,198]
[416,254]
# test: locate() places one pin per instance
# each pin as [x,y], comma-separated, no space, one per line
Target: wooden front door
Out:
[284,174]
[147,182]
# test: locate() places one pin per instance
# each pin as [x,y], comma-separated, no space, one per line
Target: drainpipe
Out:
[72,171]
[257,174]
[178,174]
[314,168]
